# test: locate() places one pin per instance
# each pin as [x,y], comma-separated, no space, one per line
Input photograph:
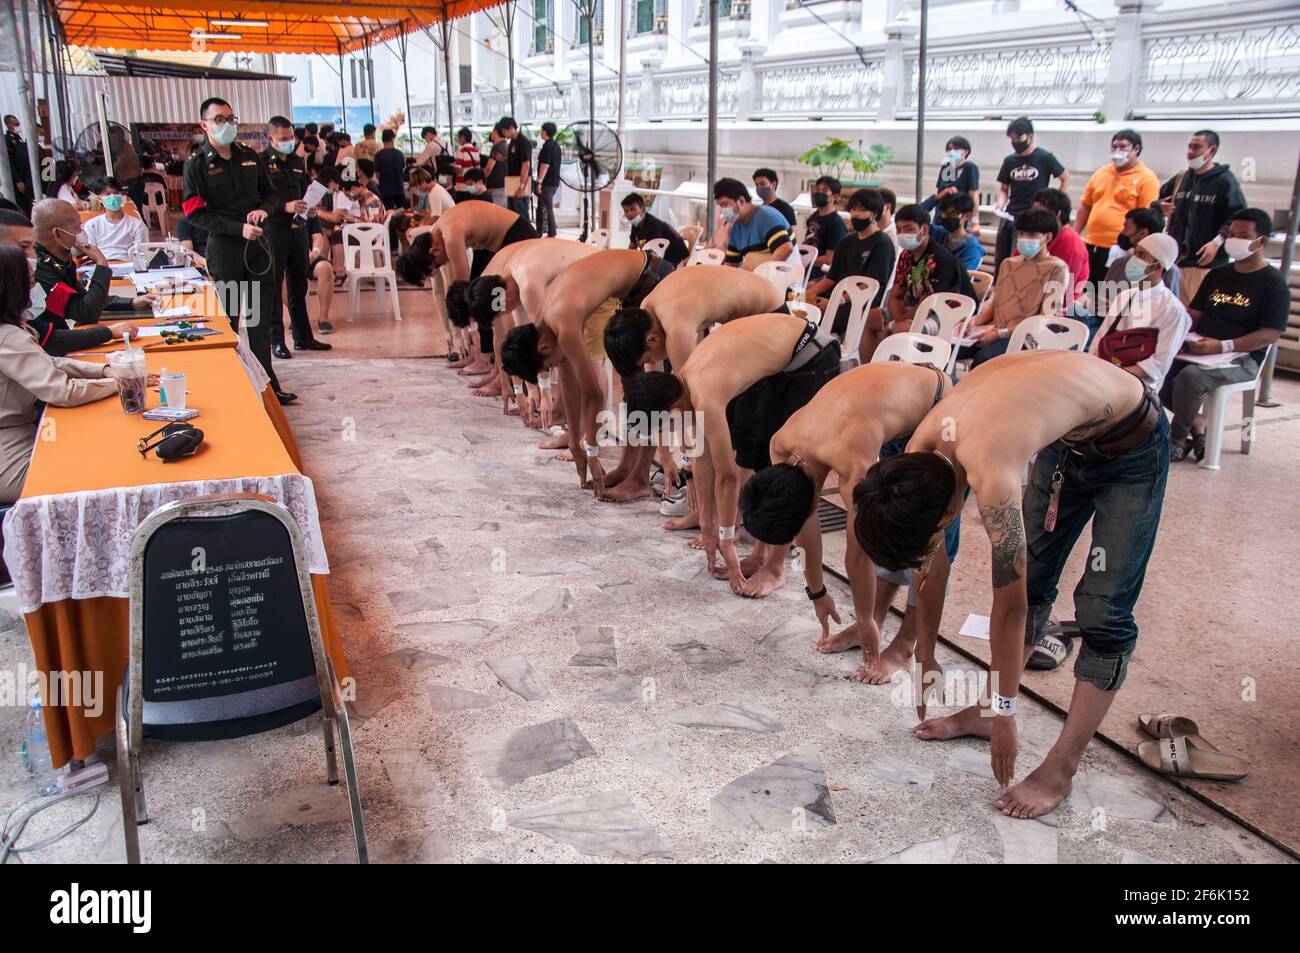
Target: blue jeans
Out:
[951,536]
[1122,495]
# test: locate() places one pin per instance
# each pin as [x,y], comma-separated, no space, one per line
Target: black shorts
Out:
[520,231]
[755,415]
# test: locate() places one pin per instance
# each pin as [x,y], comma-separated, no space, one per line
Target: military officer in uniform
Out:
[287,229]
[227,192]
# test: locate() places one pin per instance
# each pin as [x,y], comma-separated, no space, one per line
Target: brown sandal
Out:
[1168,725]
[1174,756]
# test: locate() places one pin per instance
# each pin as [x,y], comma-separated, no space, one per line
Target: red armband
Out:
[193,204]
[56,302]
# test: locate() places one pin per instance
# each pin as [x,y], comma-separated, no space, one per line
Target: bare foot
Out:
[753,562]
[615,476]
[966,723]
[1039,793]
[555,443]
[764,582]
[626,491]
[690,521]
[510,410]
[567,457]
[846,640]
[489,390]
[896,658]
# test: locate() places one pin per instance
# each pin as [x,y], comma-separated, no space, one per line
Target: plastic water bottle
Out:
[36,750]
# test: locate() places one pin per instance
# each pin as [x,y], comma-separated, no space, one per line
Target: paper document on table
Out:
[315,192]
[182,311]
[149,279]
[158,330]
[975,627]
[120,269]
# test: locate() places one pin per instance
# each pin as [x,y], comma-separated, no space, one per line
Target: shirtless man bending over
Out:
[569,335]
[673,318]
[1103,454]
[740,385]
[481,227]
[843,430]
[511,290]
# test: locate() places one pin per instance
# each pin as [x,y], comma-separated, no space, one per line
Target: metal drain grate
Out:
[830,517]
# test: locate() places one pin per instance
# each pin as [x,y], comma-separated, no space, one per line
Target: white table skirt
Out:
[78,545]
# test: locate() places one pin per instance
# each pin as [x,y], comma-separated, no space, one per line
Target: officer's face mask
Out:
[284,147]
[224,134]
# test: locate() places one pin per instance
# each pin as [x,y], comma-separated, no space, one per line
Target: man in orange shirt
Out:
[1114,189]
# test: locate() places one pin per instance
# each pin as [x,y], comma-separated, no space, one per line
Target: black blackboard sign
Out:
[223,613]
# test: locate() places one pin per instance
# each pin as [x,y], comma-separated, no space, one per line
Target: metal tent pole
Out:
[26,87]
[508,19]
[713,115]
[343,93]
[1288,257]
[920,98]
[623,23]
[370,80]
[445,29]
[406,84]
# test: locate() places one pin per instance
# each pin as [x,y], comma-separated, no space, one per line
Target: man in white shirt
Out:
[114,232]
[432,149]
[1148,304]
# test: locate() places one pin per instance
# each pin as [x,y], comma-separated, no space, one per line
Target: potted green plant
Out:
[836,157]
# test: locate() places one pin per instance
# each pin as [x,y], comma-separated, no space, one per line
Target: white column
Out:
[894,75]
[1126,59]
[563,26]
[615,22]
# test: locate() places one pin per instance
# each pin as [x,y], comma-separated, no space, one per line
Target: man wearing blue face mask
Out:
[924,267]
[228,193]
[286,227]
[957,176]
[114,232]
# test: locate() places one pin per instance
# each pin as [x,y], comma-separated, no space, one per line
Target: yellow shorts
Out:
[593,332]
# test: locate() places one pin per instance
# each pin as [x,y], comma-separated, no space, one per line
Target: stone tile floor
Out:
[544,678]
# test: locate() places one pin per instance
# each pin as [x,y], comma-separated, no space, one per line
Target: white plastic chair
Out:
[950,312]
[809,312]
[1048,333]
[599,237]
[657,246]
[155,206]
[913,349]
[982,282]
[368,256]
[807,255]
[691,236]
[784,275]
[859,291]
[1216,415]
[707,256]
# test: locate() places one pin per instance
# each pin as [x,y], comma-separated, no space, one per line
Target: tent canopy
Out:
[251,26]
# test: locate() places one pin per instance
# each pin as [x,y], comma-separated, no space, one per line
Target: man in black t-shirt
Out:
[765,183]
[519,165]
[548,180]
[824,228]
[1024,173]
[390,167]
[495,167]
[646,228]
[1240,310]
[865,251]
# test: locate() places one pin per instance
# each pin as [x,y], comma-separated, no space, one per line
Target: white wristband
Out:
[1227,345]
[591,450]
[726,532]
[519,390]
[544,383]
[1002,705]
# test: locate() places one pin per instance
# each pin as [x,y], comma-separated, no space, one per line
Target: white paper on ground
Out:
[975,627]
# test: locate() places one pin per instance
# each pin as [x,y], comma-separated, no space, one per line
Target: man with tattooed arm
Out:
[1102,448]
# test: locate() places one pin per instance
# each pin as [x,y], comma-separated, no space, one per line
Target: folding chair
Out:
[367,256]
[913,349]
[1048,333]
[244,658]
[944,316]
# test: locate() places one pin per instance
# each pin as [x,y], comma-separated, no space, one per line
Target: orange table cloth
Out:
[92,463]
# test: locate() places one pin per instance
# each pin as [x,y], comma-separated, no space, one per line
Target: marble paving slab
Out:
[705,658]
[303,806]
[512,755]
[888,767]
[595,646]
[545,600]
[799,631]
[941,851]
[411,601]
[457,631]
[1024,842]
[604,824]
[790,794]
[972,761]
[619,692]
[451,698]
[413,778]
[654,752]
[413,660]
[1116,797]
[742,715]
[858,728]
[516,674]
[429,849]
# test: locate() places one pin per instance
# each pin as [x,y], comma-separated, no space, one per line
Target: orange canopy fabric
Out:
[292,26]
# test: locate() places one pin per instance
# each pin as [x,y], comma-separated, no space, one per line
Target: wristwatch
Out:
[814,596]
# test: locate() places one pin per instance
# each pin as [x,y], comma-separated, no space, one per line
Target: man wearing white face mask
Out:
[1198,203]
[114,232]
[1123,184]
[1239,311]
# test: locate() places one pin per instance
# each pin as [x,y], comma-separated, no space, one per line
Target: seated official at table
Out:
[115,232]
[29,377]
[59,237]
[16,232]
